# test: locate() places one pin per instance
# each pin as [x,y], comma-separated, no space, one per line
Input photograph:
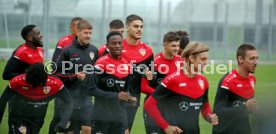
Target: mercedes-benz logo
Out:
[237,103]
[183,106]
[110,82]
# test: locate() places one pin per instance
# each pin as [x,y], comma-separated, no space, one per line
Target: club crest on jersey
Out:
[252,84]
[201,84]
[46,89]
[22,129]
[92,55]
[142,51]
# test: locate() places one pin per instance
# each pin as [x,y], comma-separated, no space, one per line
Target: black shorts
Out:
[108,127]
[24,125]
[150,126]
[80,117]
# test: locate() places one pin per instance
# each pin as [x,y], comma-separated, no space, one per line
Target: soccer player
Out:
[165,63]
[109,86]
[28,96]
[184,40]
[114,26]
[26,54]
[66,40]
[62,43]
[182,95]
[140,55]
[235,94]
[71,67]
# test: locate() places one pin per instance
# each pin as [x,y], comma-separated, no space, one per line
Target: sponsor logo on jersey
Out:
[237,103]
[110,82]
[183,106]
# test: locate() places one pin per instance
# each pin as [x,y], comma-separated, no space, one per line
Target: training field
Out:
[266,85]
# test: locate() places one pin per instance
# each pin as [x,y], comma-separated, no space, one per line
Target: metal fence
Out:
[222,24]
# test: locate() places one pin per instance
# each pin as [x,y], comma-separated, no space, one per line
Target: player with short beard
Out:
[235,94]
[26,54]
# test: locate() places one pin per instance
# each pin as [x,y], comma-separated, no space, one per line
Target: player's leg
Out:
[73,123]
[131,112]
[57,116]
[101,127]
[116,128]
[150,126]
[85,119]
[16,126]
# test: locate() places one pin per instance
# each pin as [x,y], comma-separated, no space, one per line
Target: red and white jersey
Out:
[243,87]
[29,55]
[19,85]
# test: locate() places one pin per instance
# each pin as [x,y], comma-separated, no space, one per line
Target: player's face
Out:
[36,37]
[199,61]
[115,45]
[172,48]
[120,30]
[84,36]
[250,61]
[73,28]
[135,29]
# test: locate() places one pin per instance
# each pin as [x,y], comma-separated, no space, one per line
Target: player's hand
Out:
[123,96]
[251,104]
[81,75]
[133,100]
[148,74]
[213,119]
[127,131]
[173,130]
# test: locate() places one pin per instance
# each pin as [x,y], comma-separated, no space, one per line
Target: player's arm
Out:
[63,74]
[150,65]
[11,67]
[221,107]
[93,80]
[145,87]
[7,94]
[151,108]
[206,111]
[65,96]
[57,53]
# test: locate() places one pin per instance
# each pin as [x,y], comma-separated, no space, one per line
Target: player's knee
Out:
[86,129]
